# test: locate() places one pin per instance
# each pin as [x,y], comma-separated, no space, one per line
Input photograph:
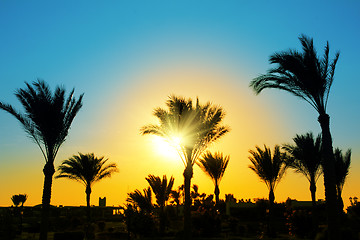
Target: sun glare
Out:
[168,149]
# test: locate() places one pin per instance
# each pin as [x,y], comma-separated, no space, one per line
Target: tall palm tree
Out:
[214,165]
[86,169]
[305,158]
[309,77]
[342,166]
[270,168]
[141,201]
[196,126]
[162,190]
[47,120]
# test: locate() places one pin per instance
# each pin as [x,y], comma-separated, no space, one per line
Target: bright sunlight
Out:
[166,148]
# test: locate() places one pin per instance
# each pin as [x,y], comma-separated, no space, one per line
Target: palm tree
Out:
[214,166]
[196,126]
[162,190]
[270,168]
[342,166]
[143,202]
[86,169]
[309,77]
[305,158]
[16,200]
[47,120]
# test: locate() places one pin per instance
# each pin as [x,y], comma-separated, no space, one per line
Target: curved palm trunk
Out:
[49,171]
[188,173]
[328,164]
[217,193]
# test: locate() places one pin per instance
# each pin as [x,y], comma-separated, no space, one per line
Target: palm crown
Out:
[303,74]
[196,126]
[48,116]
[342,166]
[161,188]
[305,155]
[86,168]
[270,168]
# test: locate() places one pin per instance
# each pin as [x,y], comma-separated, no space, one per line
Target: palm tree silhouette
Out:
[16,200]
[309,77]
[305,158]
[214,166]
[47,120]
[196,126]
[86,169]
[162,190]
[270,168]
[342,166]
[141,201]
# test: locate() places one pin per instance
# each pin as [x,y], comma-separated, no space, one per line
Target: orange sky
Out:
[128,58]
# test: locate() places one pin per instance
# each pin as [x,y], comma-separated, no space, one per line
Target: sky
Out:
[127,57]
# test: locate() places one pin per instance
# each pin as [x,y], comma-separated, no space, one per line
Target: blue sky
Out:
[117,52]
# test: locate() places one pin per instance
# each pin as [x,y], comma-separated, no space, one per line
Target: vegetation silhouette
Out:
[309,77]
[86,169]
[196,126]
[342,167]
[214,165]
[17,200]
[270,168]
[305,158]
[47,120]
[142,202]
[162,190]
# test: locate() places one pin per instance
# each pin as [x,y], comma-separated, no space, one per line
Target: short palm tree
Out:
[86,169]
[141,201]
[342,166]
[309,77]
[214,165]
[162,190]
[196,126]
[16,200]
[305,158]
[47,120]
[270,168]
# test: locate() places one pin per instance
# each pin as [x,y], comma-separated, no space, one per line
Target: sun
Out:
[168,149]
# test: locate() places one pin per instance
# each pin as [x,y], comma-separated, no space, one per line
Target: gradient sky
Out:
[129,56]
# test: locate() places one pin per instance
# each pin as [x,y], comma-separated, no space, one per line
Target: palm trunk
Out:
[313,191]
[188,173]
[162,220]
[270,230]
[217,193]
[328,164]
[315,218]
[49,171]
[88,210]
[340,200]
